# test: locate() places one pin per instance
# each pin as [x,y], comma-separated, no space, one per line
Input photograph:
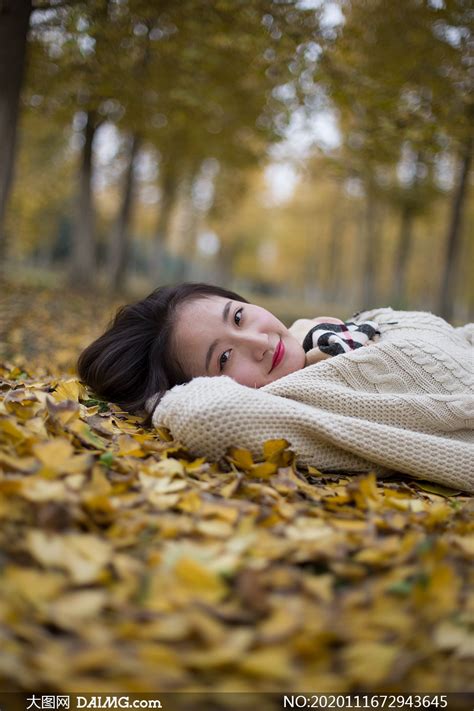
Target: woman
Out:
[404,404]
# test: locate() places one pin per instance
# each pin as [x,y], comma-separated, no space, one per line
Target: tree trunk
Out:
[14,22]
[401,257]
[369,263]
[83,266]
[169,189]
[410,207]
[187,228]
[225,261]
[448,279]
[335,288]
[120,237]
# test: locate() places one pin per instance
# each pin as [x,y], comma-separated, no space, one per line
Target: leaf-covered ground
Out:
[128,565]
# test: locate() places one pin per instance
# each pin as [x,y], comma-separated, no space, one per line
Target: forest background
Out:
[306,152]
[316,157]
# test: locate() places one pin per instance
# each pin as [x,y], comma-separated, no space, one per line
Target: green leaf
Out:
[106,459]
[437,489]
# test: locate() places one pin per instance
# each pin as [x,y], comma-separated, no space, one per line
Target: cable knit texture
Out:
[404,404]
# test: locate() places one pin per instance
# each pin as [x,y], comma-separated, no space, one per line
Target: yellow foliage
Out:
[130,565]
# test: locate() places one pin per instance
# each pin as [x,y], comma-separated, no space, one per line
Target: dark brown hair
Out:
[132,361]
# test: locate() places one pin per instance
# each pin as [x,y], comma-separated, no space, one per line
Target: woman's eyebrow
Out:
[225,316]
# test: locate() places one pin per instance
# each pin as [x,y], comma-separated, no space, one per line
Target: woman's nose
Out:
[256,344]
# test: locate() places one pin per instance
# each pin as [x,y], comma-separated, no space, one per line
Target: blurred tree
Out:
[216,100]
[236,221]
[83,264]
[42,193]
[14,21]
[391,94]
[447,292]
[206,75]
[119,242]
[412,196]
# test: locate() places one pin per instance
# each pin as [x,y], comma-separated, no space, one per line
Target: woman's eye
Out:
[238,316]
[223,359]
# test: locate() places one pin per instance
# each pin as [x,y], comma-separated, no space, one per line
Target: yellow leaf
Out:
[230,652]
[73,610]
[83,556]
[39,489]
[319,585]
[164,434]
[25,465]
[160,657]
[196,465]
[221,510]
[365,491]
[349,524]
[465,543]
[33,585]
[23,404]
[264,470]
[64,412]
[54,453]
[9,427]
[285,620]
[161,485]
[231,488]
[241,457]
[128,446]
[414,505]
[272,448]
[168,467]
[69,390]
[57,457]
[202,582]
[190,502]
[269,663]
[454,636]
[438,513]
[369,663]
[209,629]
[305,528]
[214,529]
[337,499]
[440,590]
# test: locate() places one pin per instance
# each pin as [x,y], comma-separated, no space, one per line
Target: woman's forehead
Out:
[197,315]
[211,305]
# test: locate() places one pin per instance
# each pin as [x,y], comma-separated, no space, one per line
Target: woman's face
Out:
[217,336]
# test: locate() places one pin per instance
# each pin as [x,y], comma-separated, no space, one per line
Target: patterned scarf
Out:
[337,338]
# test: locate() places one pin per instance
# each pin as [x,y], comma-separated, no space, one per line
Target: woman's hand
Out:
[302,326]
[315,355]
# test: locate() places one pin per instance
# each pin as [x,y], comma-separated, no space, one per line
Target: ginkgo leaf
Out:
[70,389]
[129,565]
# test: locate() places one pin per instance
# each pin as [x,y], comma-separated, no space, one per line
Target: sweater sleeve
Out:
[209,415]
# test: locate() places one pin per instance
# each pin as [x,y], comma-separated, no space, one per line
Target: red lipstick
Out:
[278,355]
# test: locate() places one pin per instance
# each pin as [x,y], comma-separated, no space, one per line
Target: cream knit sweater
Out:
[404,404]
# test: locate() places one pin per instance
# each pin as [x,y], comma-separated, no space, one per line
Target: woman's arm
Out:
[211,414]
[344,430]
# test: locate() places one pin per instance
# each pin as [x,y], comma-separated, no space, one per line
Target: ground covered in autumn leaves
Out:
[128,565]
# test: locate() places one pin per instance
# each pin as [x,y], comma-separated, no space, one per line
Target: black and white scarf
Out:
[337,338]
